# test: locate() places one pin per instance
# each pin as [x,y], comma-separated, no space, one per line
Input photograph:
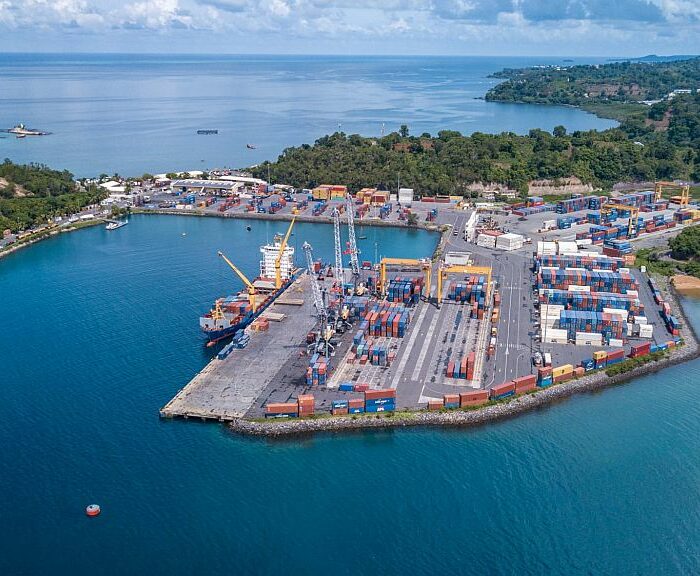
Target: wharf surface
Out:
[226,389]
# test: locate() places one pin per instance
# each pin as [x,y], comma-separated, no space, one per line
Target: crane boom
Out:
[338,249]
[315,289]
[354,262]
[278,260]
[248,283]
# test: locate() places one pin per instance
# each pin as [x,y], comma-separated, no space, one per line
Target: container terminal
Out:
[493,314]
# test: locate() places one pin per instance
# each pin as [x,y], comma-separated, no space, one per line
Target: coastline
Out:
[285,218]
[48,234]
[510,408]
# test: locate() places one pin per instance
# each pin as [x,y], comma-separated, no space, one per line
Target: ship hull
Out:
[216,335]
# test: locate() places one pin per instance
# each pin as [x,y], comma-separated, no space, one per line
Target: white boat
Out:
[116,224]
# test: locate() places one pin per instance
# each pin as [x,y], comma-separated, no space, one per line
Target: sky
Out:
[450,27]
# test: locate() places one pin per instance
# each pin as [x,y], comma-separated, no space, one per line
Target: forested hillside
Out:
[29,194]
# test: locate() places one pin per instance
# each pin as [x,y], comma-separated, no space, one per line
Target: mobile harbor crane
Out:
[325,331]
[339,276]
[352,242]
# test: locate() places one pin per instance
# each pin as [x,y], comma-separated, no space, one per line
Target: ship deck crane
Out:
[634,216]
[248,283]
[446,269]
[278,260]
[352,242]
[684,188]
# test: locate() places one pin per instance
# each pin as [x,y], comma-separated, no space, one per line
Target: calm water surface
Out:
[99,330]
[133,114]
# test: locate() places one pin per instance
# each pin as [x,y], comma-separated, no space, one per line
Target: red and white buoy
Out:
[93,510]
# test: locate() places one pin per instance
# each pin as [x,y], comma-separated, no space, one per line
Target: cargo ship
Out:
[233,313]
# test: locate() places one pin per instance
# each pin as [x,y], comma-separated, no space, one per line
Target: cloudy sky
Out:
[469,27]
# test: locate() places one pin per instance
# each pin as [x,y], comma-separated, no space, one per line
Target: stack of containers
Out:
[590,301]
[463,368]
[637,199]
[305,404]
[473,291]
[525,383]
[282,410]
[598,280]
[579,261]
[317,372]
[562,373]
[406,290]
[577,204]
[544,376]
[605,323]
[617,356]
[588,364]
[600,357]
[502,391]
[473,398]
[450,400]
[386,319]
[356,406]
[380,400]
[339,407]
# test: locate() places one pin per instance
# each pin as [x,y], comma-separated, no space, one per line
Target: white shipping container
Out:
[641,320]
[633,293]
[405,196]
[549,224]
[629,329]
[546,248]
[646,330]
[510,241]
[568,248]
[486,241]
[584,242]
[589,338]
[616,343]
[555,336]
[573,288]
[547,359]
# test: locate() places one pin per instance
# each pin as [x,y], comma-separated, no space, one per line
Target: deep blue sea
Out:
[99,330]
[133,114]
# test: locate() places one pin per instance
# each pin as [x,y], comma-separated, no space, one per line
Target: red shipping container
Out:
[450,398]
[281,408]
[361,387]
[356,403]
[563,377]
[375,394]
[544,371]
[619,353]
[473,398]
[339,411]
[502,388]
[450,369]
[435,405]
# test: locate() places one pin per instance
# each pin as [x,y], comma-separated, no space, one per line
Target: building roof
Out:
[216,184]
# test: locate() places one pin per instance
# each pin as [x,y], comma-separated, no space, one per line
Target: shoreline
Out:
[540,398]
[48,234]
[285,218]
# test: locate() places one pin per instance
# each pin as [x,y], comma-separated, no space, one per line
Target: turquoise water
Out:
[99,330]
[139,113]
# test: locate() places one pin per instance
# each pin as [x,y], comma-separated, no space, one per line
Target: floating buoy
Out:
[247,228]
[93,510]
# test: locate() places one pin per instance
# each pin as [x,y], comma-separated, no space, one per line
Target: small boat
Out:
[250,146]
[207,131]
[248,228]
[113,225]
[362,237]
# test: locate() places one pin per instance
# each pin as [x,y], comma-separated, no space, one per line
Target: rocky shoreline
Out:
[476,417]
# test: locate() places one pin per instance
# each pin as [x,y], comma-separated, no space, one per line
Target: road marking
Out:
[409,347]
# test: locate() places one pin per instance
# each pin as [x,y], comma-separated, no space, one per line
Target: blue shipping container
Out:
[346,387]
[385,408]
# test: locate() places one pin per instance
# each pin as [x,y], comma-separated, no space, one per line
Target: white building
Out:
[405,196]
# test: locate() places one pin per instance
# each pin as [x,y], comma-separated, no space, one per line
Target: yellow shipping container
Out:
[320,193]
[562,370]
[600,355]
[295,210]
[695,215]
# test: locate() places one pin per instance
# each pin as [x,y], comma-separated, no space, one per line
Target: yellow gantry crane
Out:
[424,265]
[684,188]
[446,269]
[248,283]
[278,260]
[634,215]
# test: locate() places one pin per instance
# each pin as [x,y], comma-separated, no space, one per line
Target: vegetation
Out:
[632,363]
[32,193]
[652,142]
[684,256]
[686,246]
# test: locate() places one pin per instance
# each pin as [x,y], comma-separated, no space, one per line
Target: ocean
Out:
[99,330]
[131,114]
